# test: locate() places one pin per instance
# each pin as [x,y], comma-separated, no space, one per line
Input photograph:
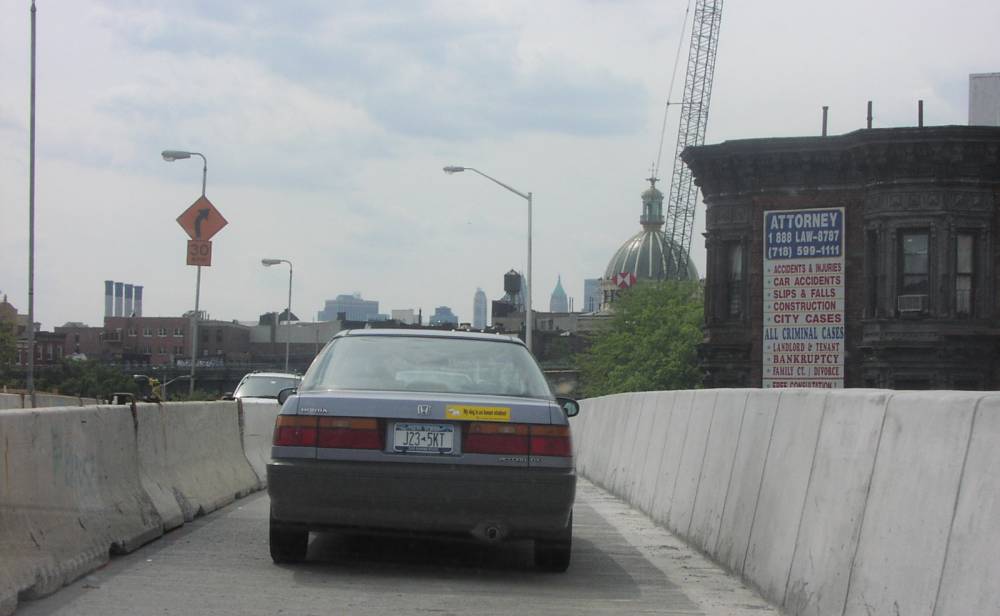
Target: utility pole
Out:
[30,380]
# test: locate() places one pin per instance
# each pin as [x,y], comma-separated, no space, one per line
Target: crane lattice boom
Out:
[683,197]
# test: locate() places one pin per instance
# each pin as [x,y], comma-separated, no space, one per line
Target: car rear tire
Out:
[288,546]
[554,554]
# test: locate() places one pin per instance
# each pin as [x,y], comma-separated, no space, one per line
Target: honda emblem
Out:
[423,409]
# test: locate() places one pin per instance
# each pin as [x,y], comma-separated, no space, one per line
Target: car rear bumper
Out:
[421,498]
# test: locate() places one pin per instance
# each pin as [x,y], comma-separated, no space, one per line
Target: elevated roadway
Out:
[852,502]
[219,565]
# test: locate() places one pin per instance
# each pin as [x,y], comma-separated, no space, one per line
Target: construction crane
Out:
[682,201]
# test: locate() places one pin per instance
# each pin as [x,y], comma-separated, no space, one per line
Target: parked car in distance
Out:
[263,385]
[424,432]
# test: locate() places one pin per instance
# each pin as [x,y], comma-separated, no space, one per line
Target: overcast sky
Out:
[326,125]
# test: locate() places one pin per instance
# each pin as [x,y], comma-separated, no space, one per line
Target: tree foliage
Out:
[8,345]
[651,342]
[90,379]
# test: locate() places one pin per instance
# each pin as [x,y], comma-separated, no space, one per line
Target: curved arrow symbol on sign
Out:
[202,215]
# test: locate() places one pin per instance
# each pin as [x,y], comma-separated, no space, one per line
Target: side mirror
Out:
[228,396]
[569,406]
[285,393]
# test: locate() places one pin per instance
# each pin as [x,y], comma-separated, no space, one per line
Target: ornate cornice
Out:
[864,158]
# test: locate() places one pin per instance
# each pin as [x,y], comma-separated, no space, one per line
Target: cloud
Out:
[419,72]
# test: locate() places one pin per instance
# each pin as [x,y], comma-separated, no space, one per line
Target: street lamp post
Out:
[170,156]
[30,377]
[528,318]
[288,315]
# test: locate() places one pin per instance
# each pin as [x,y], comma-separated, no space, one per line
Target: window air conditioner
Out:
[911,303]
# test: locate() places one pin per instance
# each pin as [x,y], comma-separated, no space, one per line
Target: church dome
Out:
[650,254]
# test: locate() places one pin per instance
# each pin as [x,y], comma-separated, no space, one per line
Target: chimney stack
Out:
[119,298]
[109,302]
[137,307]
[128,300]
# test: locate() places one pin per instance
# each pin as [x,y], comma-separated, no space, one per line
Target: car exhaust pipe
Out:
[490,532]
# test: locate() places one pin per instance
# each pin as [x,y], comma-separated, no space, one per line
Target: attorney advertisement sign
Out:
[803,298]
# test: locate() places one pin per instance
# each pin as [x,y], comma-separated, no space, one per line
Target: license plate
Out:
[423,438]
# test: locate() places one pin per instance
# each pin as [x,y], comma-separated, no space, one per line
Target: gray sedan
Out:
[422,431]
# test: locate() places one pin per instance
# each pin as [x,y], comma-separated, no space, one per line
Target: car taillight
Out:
[496,438]
[518,439]
[349,433]
[295,431]
[551,441]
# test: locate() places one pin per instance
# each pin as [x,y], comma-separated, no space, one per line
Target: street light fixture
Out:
[288,315]
[163,388]
[170,156]
[528,319]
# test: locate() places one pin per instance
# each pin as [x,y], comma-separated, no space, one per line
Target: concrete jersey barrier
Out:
[70,496]
[80,484]
[43,400]
[199,457]
[828,502]
[257,422]
[10,401]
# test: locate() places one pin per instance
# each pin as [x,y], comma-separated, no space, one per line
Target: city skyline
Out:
[299,166]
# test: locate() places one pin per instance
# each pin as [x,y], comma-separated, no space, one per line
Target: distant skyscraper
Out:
[479,310]
[984,99]
[355,309]
[558,301]
[407,316]
[591,294]
[443,316]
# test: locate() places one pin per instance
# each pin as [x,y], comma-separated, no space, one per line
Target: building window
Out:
[914,273]
[965,252]
[131,332]
[163,350]
[178,332]
[162,332]
[734,279]
[872,271]
[178,350]
[147,332]
[218,335]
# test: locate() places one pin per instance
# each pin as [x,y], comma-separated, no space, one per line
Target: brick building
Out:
[156,341]
[48,346]
[161,341]
[81,340]
[920,277]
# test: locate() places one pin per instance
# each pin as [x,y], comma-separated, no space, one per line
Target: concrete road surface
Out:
[219,564]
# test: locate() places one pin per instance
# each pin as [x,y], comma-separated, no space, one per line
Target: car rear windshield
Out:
[425,364]
[264,386]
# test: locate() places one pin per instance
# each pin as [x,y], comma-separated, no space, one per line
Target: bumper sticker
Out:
[477,413]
